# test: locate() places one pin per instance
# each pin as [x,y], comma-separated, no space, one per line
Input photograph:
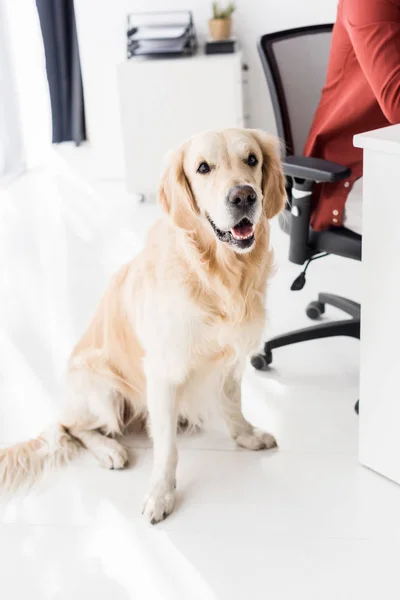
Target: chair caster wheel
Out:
[262,361]
[357,407]
[315,309]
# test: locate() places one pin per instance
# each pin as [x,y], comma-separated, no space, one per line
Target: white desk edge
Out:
[198,56]
[385,140]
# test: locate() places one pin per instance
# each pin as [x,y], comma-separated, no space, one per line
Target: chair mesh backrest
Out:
[295,64]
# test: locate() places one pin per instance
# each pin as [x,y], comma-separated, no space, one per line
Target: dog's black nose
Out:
[242,196]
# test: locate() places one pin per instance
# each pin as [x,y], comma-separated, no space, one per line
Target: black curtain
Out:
[57,21]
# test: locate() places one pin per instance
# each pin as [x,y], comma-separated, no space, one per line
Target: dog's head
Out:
[230,179]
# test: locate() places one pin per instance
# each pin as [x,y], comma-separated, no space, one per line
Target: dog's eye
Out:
[203,168]
[252,160]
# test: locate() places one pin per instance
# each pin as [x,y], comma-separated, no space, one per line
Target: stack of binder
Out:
[161,34]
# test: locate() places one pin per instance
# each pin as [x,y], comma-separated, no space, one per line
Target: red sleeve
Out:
[374,30]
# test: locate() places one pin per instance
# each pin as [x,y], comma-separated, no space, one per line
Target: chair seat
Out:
[335,240]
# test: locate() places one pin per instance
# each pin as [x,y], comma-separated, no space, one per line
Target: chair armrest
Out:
[314,169]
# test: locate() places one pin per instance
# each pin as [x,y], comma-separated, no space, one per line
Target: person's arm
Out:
[374,30]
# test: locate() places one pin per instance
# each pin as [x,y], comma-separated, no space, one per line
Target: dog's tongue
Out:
[243,230]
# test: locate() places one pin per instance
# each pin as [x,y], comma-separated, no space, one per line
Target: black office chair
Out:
[295,64]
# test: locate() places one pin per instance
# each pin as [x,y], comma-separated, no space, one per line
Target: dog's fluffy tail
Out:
[24,464]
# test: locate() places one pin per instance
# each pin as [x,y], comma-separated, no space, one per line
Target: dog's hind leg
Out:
[108,452]
[94,412]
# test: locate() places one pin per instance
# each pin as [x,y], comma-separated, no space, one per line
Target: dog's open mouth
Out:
[240,236]
[244,230]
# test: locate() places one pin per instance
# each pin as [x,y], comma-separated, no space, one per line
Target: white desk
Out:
[380,318]
[163,102]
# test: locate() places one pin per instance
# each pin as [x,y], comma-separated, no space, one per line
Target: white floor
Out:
[305,522]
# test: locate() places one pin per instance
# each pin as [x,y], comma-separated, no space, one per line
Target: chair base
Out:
[346,327]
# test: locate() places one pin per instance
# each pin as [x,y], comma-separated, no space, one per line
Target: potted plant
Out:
[221,23]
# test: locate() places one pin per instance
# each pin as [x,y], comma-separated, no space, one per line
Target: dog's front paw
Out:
[256,440]
[158,503]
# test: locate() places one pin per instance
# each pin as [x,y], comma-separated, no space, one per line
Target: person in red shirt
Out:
[361,93]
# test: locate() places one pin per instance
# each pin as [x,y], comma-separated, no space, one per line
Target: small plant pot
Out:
[220,29]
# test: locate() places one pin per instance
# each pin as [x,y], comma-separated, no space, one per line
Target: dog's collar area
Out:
[233,236]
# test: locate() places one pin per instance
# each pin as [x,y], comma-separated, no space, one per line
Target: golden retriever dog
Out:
[177,324]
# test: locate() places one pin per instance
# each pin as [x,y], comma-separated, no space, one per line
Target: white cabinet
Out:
[380,323]
[163,102]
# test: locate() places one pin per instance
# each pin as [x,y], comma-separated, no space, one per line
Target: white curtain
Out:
[25,114]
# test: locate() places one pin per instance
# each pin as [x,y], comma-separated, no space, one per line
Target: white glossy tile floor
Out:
[304,522]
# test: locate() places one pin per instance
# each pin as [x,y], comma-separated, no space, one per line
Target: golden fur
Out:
[188,308]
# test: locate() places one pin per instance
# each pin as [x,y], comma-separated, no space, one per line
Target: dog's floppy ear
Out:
[273,181]
[175,196]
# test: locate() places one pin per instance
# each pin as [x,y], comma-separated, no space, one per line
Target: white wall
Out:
[101,32]
[25,113]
